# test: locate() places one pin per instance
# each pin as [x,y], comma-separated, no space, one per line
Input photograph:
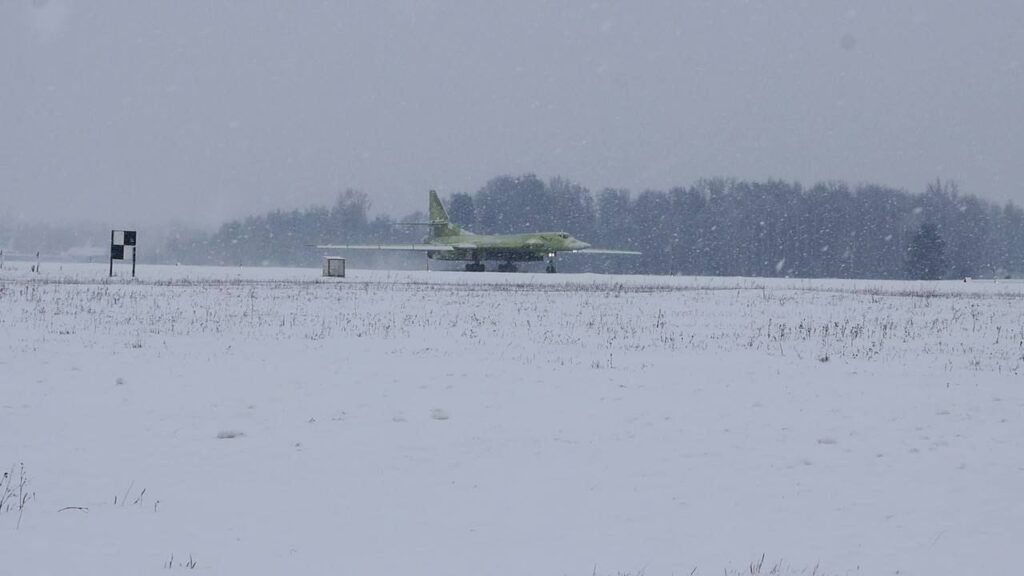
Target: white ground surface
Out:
[452,423]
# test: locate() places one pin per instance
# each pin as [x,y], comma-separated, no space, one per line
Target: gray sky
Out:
[147,111]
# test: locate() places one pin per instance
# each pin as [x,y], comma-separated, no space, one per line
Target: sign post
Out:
[122,241]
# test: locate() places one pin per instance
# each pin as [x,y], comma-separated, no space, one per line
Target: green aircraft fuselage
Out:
[505,247]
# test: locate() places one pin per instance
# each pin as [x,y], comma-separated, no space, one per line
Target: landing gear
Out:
[551,263]
[476,265]
[507,267]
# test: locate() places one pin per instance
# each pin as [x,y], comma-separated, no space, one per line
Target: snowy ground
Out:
[268,421]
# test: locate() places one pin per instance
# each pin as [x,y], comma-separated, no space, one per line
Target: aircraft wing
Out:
[606,251]
[406,247]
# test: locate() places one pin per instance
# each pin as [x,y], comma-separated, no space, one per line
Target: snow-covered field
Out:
[268,421]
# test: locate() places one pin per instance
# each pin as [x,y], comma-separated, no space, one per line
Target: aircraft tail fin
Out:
[440,225]
[437,212]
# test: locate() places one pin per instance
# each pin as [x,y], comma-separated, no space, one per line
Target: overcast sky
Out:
[145,111]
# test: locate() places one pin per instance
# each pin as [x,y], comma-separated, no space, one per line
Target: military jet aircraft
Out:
[447,241]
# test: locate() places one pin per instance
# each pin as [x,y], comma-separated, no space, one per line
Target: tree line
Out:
[713,227]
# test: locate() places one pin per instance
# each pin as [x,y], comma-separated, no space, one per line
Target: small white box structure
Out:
[334,266]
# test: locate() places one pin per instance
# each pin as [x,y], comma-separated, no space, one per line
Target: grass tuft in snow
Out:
[188,565]
[14,492]
[129,496]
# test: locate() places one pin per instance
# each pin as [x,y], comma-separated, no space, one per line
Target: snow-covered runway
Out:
[268,421]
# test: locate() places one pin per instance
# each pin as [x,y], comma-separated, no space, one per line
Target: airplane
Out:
[448,241]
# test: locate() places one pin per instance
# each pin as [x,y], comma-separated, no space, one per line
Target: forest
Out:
[720,227]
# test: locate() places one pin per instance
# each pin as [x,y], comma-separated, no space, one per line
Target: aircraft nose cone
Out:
[580,245]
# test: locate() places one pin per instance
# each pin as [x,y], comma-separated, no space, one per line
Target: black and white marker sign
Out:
[122,244]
